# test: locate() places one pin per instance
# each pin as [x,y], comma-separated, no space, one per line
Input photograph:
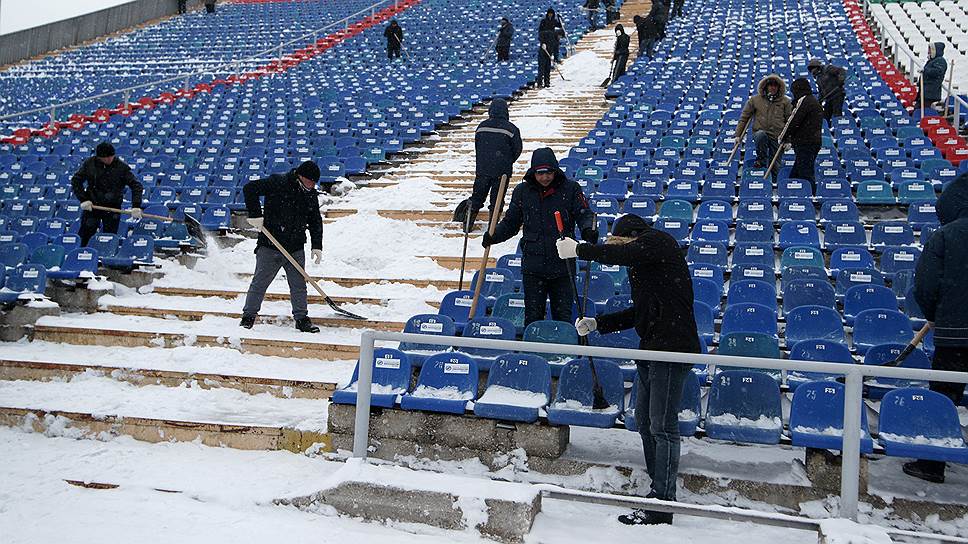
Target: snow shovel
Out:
[332,304]
[739,141]
[779,140]
[608,79]
[483,56]
[192,224]
[910,347]
[598,396]
[495,217]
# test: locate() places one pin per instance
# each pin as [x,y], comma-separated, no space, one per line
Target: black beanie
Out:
[629,226]
[308,170]
[104,149]
[800,87]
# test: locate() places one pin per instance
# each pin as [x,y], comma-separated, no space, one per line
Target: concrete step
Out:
[198,315]
[313,299]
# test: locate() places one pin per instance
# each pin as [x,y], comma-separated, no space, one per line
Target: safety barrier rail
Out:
[854,382]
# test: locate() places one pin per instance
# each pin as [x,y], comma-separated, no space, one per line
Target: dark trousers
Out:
[833,108]
[677,9]
[805,163]
[210,8]
[657,416]
[620,63]
[503,52]
[648,46]
[393,52]
[592,19]
[182,6]
[611,16]
[268,261]
[93,220]
[544,70]
[482,186]
[537,291]
[766,147]
[954,359]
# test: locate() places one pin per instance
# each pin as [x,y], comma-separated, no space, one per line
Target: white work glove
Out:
[136,213]
[256,222]
[585,325]
[567,248]
[87,205]
[317,255]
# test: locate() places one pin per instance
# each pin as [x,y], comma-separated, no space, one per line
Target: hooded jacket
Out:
[105,183]
[768,115]
[662,297]
[830,82]
[941,278]
[555,31]
[288,211]
[933,74]
[621,43]
[532,210]
[394,35]
[646,27]
[806,124]
[504,35]
[497,142]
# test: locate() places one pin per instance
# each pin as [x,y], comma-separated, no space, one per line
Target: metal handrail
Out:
[854,374]
[274,52]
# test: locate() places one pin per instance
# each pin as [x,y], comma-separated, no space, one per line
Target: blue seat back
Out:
[106,245]
[575,383]
[490,328]
[749,318]
[738,395]
[749,345]
[28,278]
[814,323]
[914,412]
[450,371]
[808,292]
[874,327]
[440,325]
[521,371]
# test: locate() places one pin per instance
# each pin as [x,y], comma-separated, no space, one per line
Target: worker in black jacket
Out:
[648,33]
[804,131]
[101,181]
[544,191]
[546,45]
[621,54]
[552,23]
[503,43]
[662,315]
[591,8]
[941,290]
[830,87]
[611,12]
[394,35]
[497,144]
[291,206]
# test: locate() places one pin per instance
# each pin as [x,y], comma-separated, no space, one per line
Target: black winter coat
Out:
[621,45]
[805,126]
[662,297]
[553,26]
[106,183]
[830,83]
[497,142]
[533,207]
[941,278]
[647,28]
[591,4]
[504,36]
[288,210]
[390,32]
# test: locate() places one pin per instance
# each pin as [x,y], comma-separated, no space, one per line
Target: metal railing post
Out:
[361,429]
[126,97]
[53,116]
[850,461]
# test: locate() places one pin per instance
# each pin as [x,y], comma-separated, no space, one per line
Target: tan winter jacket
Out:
[768,116]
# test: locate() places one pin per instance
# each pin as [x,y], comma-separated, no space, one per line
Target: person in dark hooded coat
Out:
[932,76]
[591,8]
[394,35]
[546,47]
[611,12]
[830,85]
[621,54]
[804,132]
[544,191]
[503,43]
[648,33]
[497,144]
[552,24]
[941,290]
[662,315]
[768,110]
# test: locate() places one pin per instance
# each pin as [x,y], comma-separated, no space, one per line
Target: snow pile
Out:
[688,415]
[377,389]
[581,71]
[844,531]
[921,440]
[506,396]
[762,422]
[577,406]
[443,393]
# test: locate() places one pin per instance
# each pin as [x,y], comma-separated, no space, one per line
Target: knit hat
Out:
[308,170]
[104,149]
[629,226]
[814,64]
[800,87]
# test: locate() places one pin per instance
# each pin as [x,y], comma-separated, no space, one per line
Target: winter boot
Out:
[247,321]
[305,325]
[929,471]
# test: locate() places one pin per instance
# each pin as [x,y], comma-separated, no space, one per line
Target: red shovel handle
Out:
[560,223]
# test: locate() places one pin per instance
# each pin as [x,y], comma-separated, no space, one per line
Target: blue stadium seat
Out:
[440,325]
[716,210]
[813,323]
[839,211]
[751,291]
[511,307]
[866,297]
[817,417]
[896,259]
[922,424]
[744,344]
[850,257]
[391,378]
[497,282]
[551,332]
[135,250]
[106,245]
[881,354]
[518,386]
[708,292]
[755,209]
[826,351]
[50,256]
[710,231]
[639,205]
[711,253]
[875,192]
[572,404]
[26,279]
[838,235]
[849,277]
[808,292]
[744,406]
[755,231]
[749,318]
[799,233]
[13,254]
[676,209]
[796,209]
[875,327]
[447,381]
[79,262]
[490,328]
[754,253]
[216,218]
[457,306]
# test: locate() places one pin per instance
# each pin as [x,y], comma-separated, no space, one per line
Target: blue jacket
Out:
[533,208]
[941,279]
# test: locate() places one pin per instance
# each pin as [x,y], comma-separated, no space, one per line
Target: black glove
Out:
[590,236]
[486,240]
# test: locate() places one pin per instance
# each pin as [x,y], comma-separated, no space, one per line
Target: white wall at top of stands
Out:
[16,15]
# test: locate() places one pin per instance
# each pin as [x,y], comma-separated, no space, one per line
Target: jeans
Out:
[90,221]
[537,291]
[483,186]
[805,163]
[268,261]
[503,52]
[182,6]
[620,63]
[766,147]
[544,69]
[393,52]
[657,416]
[592,20]
[648,46]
